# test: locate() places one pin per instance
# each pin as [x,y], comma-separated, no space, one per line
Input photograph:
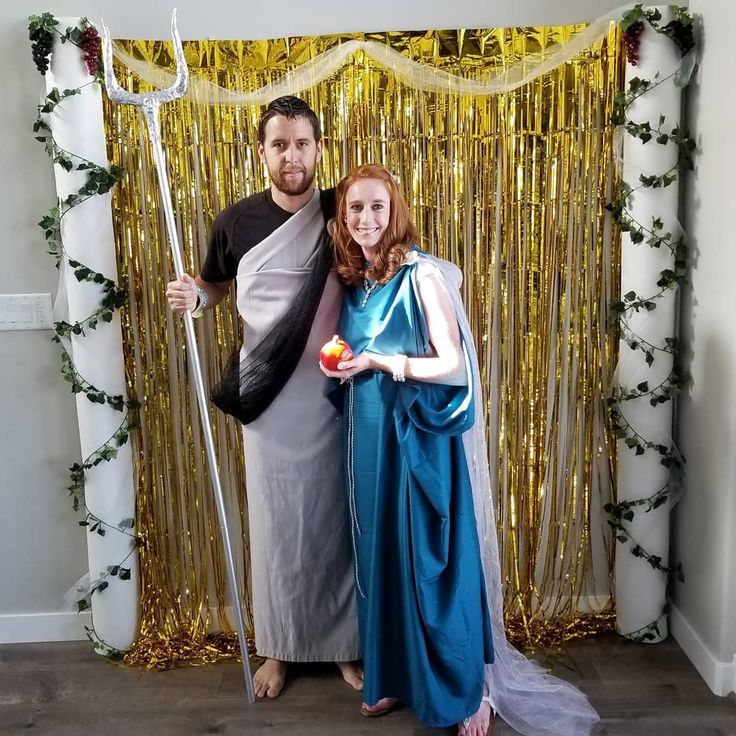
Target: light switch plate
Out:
[25,312]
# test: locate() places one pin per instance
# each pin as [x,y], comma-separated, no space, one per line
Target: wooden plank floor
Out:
[64,689]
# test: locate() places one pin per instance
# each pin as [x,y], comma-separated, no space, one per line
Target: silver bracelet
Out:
[202,301]
[398,371]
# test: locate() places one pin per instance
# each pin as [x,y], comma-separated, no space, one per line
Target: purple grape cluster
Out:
[43,41]
[91,46]
[631,42]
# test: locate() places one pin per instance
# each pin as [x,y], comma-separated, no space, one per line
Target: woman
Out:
[418,507]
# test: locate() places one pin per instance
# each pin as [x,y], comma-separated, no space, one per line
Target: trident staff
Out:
[149,102]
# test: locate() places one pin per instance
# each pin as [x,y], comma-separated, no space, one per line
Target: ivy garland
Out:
[99,180]
[680,30]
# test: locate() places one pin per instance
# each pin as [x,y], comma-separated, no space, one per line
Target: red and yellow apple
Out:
[334,352]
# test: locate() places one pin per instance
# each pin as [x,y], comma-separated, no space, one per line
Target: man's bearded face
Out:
[291,153]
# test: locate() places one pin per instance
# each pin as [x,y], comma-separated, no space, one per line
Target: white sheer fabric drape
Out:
[413,74]
[524,694]
[87,233]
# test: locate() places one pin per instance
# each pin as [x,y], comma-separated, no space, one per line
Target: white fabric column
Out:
[87,234]
[641,589]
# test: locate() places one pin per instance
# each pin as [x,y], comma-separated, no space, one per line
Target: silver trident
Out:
[150,102]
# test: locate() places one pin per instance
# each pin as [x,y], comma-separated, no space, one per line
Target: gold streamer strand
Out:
[511,188]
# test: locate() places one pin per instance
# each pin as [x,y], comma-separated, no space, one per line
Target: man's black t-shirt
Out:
[243,225]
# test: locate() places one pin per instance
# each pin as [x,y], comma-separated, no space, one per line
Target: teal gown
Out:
[422,608]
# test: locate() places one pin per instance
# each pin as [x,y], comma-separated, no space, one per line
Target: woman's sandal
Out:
[373,711]
[486,699]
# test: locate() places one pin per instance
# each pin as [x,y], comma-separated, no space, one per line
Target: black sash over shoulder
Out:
[248,387]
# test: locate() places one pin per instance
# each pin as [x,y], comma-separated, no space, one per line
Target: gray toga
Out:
[303,586]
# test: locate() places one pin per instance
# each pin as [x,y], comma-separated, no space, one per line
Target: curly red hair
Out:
[394,245]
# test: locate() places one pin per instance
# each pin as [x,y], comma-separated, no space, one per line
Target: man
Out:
[275,244]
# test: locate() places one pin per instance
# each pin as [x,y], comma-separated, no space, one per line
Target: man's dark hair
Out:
[292,108]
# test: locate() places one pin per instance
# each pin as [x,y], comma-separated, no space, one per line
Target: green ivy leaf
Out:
[74,34]
[632,16]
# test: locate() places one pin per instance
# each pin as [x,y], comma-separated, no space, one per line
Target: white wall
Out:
[705,520]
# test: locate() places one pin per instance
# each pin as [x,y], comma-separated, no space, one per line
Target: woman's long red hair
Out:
[394,245]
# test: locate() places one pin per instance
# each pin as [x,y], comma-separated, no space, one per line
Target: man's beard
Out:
[293,187]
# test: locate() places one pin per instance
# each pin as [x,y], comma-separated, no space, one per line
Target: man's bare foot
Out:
[352,673]
[384,705]
[479,724]
[269,678]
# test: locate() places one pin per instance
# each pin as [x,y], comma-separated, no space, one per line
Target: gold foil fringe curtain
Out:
[510,187]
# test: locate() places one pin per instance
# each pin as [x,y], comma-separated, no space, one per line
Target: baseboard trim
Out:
[33,627]
[719,676]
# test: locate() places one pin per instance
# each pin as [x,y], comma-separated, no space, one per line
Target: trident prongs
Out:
[145,99]
[149,102]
